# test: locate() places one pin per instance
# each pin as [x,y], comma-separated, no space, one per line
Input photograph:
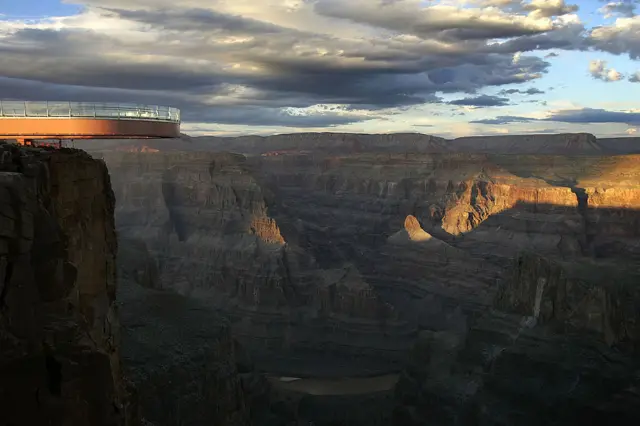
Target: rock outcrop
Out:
[59,333]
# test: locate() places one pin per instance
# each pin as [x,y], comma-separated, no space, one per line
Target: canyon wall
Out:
[559,347]
[59,333]
[201,225]
[359,255]
[182,358]
[334,250]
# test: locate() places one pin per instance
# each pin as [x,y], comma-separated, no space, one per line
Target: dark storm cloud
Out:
[482,101]
[226,67]
[382,75]
[197,20]
[575,116]
[75,58]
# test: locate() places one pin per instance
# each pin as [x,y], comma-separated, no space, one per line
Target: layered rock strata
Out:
[560,346]
[273,235]
[203,226]
[344,247]
[59,333]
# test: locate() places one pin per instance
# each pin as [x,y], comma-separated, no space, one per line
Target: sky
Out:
[449,68]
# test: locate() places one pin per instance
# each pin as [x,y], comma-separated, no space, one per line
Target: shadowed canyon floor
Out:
[496,276]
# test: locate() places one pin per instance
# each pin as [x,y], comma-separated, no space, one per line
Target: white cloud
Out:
[623,36]
[598,69]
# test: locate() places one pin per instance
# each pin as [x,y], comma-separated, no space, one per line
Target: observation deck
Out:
[28,121]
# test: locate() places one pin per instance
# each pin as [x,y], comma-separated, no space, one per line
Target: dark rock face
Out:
[59,331]
[182,359]
[559,347]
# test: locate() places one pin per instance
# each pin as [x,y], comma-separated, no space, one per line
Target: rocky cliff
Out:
[182,358]
[558,347]
[59,333]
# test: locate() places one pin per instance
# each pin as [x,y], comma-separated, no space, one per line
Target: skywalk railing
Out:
[47,109]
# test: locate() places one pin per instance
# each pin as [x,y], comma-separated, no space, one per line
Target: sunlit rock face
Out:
[349,244]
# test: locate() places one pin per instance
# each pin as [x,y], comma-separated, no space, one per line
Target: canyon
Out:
[344,279]
[338,256]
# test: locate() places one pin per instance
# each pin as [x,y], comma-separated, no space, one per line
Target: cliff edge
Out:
[59,343]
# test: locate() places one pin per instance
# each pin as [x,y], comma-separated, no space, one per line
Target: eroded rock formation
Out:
[59,333]
[201,225]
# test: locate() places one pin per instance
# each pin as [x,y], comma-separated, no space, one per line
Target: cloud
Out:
[530,91]
[226,61]
[440,21]
[481,101]
[618,9]
[503,119]
[549,8]
[623,37]
[292,62]
[598,70]
[575,116]
[594,115]
[635,77]
[551,55]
